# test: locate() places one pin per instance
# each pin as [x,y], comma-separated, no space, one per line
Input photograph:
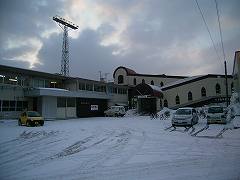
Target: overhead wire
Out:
[220,30]
[210,35]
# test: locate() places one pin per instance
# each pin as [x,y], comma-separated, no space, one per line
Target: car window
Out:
[183,112]
[215,110]
[33,114]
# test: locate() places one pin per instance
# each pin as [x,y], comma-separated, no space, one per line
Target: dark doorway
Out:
[91,107]
[147,105]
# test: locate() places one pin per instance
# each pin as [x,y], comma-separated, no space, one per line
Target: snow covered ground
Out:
[129,148]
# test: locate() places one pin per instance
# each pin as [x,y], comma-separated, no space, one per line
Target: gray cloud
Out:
[156,36]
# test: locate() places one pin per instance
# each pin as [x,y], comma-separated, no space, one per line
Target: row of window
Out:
[21,81]
[13,105]
[101,88]
[203,93]
[121,81]
[66,102]
[190,96]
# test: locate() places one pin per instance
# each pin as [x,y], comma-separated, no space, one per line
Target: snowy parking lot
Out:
[131,148]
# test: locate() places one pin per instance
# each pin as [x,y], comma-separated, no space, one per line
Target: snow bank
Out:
[131,113]
[166,113]
[233,112]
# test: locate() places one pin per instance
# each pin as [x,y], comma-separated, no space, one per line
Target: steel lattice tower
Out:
[65,25]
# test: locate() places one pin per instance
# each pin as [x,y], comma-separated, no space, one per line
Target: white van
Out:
[115,111]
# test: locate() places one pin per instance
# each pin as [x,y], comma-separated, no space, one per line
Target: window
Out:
[203,92]
[165,103]
[120,79]
[152,82]
[61,102]
[134,81]
[161,84]
[12,105]
[177,100]
[99,88]
[218,89]
[89,87]
[5,106]
[71,102]
[190,96]
[82,86]
[143,81]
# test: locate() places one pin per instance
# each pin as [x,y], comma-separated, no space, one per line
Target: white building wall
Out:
[49,107]
[123,72]
[129,79]
[195,88]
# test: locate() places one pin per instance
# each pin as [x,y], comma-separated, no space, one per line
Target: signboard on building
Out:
[94,107]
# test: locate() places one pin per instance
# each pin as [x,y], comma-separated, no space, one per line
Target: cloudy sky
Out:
[148,36]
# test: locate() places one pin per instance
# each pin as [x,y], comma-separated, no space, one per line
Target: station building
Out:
[157,91]
[55,96]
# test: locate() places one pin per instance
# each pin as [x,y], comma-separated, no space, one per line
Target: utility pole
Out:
[226,82]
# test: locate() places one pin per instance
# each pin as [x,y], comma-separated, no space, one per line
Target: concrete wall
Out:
[66,112]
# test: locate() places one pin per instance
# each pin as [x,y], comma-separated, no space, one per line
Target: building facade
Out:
[177,91]
[55,96]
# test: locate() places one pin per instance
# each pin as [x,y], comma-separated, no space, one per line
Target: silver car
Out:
[216,114]
[185,117]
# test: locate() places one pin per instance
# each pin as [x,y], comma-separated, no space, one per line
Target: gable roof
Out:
[128,71]
[190,80]
[131,72]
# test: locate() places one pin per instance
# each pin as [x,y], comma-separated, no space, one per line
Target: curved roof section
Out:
[128,71]
[147,89]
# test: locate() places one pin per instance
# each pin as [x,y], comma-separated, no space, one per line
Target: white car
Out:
[216,114]
[185,117]
[115,111]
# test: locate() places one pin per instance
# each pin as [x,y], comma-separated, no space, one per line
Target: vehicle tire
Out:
[191,123]
[28,123]
[42,123]
[19,122]
[116,115]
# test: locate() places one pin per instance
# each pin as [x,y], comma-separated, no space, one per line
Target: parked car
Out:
[30,118]
[216,114]
[185,117]
[115,111]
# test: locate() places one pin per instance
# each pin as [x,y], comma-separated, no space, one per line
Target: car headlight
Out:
[29,119]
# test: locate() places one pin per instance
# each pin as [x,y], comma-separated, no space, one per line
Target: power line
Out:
[220,30]
[210,35]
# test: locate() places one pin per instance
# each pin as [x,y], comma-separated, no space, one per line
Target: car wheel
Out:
[28,124]
[19,122]
[116,115]
[42,123]
[191,123]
